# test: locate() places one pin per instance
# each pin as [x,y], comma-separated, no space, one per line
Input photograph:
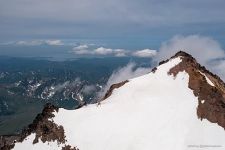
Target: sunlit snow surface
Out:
[27,144]
[207,79]
[155,111]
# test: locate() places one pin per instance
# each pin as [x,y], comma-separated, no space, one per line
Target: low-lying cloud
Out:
[39,42]
[203,48]
[102,51]
[88,50]
[127,72]
[54,42]
[60,87]
[145,53]
[88,89]
[206,50]
[80,47]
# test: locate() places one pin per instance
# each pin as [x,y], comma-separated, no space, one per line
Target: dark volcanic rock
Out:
[68,147]
[45,130]
[211,99]
[112,87]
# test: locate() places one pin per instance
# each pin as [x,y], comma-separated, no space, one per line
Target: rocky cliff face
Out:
[43,127]
[208,87]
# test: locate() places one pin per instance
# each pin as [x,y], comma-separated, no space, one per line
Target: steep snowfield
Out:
[155,111]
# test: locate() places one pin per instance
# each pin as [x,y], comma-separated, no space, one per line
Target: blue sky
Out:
[115,24]
[68,19]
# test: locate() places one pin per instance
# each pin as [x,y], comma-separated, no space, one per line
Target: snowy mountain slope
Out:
[178,106]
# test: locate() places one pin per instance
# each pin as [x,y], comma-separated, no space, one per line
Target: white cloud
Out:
[81,47]
[218,67]
[206,50]
[60,87]
[81,50]
[120,52]
[39,42]
[145,53]
[88,89]
[103,51]
[109,51]
[29,43]
[54,42]
[201,47]
[86,50]
[127,72]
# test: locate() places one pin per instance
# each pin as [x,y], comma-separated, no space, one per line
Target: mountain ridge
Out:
[211,96]
[207,87]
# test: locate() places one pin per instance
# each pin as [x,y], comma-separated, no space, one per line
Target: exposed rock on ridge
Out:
[211,99]
[112,87]
[45,130]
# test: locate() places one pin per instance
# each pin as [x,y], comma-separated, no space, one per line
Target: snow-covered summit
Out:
[178,106]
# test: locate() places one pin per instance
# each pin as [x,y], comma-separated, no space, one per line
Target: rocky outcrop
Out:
[43,127]
[68,147]
[110,90]
[211,99]
[7,142]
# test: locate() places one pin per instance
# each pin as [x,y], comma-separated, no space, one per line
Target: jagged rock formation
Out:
[112,87]
[211,98]
[44,128]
